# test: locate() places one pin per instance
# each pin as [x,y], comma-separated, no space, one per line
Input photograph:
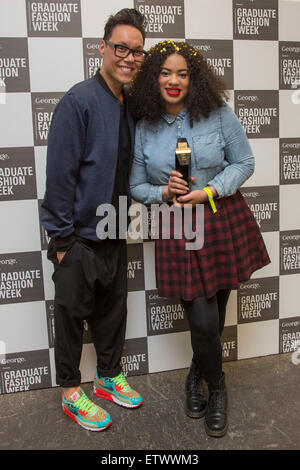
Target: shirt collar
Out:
[170,118]
[103,83]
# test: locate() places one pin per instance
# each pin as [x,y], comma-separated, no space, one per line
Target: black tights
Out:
[206,319]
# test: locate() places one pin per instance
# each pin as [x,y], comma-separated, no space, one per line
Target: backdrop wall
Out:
[45,48]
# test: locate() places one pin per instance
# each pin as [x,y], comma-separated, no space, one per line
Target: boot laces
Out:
[196,383]
[217,399]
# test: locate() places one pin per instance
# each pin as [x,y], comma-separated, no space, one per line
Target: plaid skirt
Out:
[233,249]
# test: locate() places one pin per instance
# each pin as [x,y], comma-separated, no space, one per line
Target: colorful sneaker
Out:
[118,390]
[80,408]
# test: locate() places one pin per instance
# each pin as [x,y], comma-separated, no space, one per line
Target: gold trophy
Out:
[182,159]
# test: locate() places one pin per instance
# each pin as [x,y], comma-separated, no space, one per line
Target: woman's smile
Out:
[173,91]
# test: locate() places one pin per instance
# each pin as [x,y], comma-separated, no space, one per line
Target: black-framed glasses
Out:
[124,51]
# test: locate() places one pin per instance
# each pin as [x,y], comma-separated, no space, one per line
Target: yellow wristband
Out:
[211,199]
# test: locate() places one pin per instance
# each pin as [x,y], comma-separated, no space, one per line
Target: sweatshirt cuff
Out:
[64,244]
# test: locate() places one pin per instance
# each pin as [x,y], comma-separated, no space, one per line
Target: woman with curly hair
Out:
[180,103]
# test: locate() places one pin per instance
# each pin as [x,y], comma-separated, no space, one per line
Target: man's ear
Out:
[101,47]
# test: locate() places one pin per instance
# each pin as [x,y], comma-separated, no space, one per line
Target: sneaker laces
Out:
[122,382]
[86,405]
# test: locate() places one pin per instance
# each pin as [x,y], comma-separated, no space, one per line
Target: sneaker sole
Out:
[68,413]
[111,397]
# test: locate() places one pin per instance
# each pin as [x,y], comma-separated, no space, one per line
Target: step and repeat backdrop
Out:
[46,47]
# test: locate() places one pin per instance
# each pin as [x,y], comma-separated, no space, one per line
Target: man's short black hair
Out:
[127,16]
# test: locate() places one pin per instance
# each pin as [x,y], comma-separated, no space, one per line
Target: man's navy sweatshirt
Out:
[82,158]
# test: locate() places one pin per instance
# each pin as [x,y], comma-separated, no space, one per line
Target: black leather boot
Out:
[216,415]
[195,400]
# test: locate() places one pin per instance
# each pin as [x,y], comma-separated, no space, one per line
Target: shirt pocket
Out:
[208,150]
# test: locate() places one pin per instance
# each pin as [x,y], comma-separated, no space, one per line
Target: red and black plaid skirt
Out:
[233,249]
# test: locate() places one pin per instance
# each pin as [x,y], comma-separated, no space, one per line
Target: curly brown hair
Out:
[206,89]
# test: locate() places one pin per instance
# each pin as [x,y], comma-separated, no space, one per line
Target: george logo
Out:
[247,98]
[11,262]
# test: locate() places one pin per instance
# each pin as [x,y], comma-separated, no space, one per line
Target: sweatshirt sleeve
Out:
[141,189]
[65,148]
[238,154]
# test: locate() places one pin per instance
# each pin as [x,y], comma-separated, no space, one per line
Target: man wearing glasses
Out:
[89,154]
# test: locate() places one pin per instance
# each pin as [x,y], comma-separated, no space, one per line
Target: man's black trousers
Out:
[91,285]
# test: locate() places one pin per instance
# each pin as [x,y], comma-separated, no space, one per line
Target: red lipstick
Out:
[173,91]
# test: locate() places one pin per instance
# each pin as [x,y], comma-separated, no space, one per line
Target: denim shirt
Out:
[221,155]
